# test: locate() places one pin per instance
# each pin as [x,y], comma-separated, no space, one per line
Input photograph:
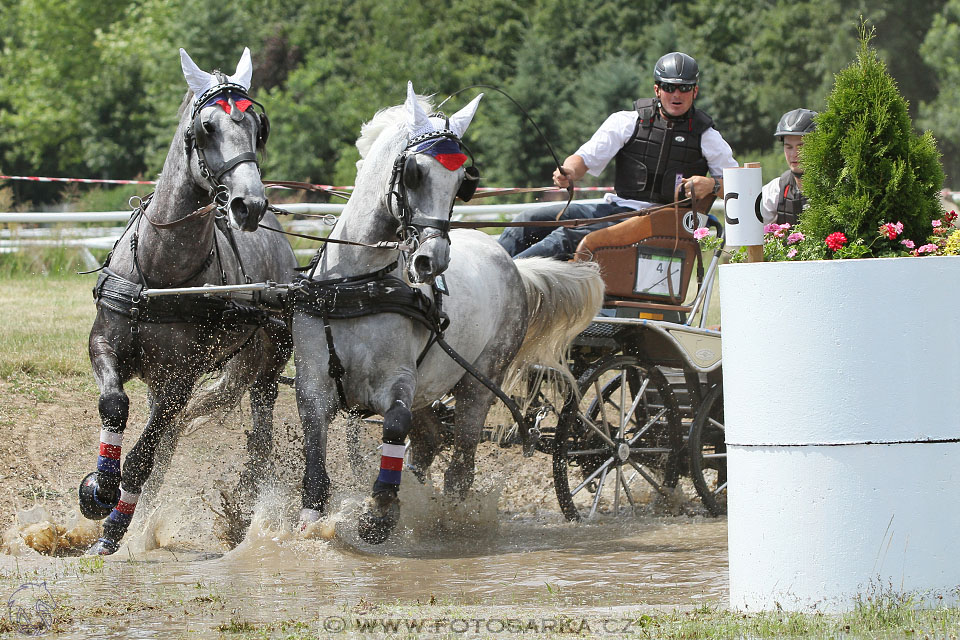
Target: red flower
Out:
[836,240]
[950,217]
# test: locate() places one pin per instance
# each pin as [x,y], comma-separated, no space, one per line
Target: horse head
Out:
[428,176]
[223,133]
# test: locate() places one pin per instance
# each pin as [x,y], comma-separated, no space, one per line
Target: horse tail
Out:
[562,299]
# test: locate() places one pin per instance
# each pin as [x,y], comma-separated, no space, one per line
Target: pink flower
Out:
[770,228]
[792,252]
[701,233]
[935,223]
[908,243]
[898,227]
[927,248]
[794,238]
[835,240]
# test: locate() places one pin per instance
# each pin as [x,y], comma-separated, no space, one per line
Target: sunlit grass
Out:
[44,324]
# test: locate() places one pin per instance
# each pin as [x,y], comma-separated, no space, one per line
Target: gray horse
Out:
[502,314]
[176,239]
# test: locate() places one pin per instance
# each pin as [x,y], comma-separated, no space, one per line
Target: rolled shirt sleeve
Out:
[606,142]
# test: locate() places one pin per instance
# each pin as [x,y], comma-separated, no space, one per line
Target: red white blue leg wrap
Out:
[391,464]
[109,459]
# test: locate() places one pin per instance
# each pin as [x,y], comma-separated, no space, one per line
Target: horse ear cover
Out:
[471,178]
[411,172]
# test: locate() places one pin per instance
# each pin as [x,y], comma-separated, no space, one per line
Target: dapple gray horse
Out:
[502,314]
[174,240]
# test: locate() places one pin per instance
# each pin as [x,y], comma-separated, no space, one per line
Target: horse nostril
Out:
[239,210]
[422,265]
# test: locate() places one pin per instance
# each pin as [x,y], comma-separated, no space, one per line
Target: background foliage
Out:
[89,88]
[865,166]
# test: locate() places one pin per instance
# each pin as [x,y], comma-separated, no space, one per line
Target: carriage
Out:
[649,408]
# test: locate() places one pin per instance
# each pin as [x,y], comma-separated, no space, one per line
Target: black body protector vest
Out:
[790,202]
[659,150]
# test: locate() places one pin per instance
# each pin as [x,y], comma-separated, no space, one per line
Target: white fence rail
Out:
[52,228]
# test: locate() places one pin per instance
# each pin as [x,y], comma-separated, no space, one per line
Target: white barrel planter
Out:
[842,415]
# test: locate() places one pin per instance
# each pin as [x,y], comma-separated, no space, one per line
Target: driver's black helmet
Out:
[676,68]
[798,122]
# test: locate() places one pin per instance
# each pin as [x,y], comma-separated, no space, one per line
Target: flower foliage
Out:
[864,166]
[779,243]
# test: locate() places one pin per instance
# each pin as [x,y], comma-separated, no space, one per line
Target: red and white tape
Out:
[318,186]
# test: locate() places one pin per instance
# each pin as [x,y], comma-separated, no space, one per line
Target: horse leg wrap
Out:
[119,519]
[396,424]
[108,466]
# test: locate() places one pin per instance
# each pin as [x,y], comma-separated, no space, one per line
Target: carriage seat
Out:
[646,261]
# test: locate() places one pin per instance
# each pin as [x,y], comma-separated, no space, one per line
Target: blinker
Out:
[411,172]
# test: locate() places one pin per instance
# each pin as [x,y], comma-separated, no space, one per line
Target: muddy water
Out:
[471,557]
[506,551]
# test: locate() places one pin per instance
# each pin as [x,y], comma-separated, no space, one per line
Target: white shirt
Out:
[768,200]
[616,131]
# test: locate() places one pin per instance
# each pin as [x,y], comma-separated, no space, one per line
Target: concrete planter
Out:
[842,415]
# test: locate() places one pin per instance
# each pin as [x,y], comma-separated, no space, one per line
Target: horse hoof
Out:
[376,522]
[103,547]
[92,506]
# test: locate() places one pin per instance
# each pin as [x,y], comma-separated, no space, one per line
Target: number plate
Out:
[658,273]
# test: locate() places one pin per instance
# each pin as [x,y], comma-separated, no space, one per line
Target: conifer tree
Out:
[864,165]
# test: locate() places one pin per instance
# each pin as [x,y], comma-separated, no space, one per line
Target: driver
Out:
[662,141]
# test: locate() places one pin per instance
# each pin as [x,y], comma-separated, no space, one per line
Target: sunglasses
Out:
[684,88]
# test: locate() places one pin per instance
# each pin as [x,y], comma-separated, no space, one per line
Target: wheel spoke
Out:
[606,438]
[718,425]
[653,482]
[720,489]
[618,478]
[596,497]
[603,412]
[711,456]
[633,408]
[623,401]
[651,450]
[579,453]
[626,488]
[649,425]
[593,475]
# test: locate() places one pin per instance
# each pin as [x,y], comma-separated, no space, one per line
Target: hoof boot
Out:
[103,547]
[94,505]
[377,521]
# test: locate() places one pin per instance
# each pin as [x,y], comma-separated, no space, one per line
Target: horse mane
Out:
[387,118]
[187,102]
[388,131]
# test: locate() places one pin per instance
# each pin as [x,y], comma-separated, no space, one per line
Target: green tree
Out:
[864,165]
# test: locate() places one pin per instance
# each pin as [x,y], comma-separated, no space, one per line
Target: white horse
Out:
[502,314]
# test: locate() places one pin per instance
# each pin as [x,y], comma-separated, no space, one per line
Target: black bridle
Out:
[195,137]
[406,176]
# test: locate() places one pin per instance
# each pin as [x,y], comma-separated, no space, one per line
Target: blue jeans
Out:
[554,242]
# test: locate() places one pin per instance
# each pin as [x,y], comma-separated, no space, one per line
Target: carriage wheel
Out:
[708,453]
[618,448]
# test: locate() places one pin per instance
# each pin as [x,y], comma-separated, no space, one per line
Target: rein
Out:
[463,224]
